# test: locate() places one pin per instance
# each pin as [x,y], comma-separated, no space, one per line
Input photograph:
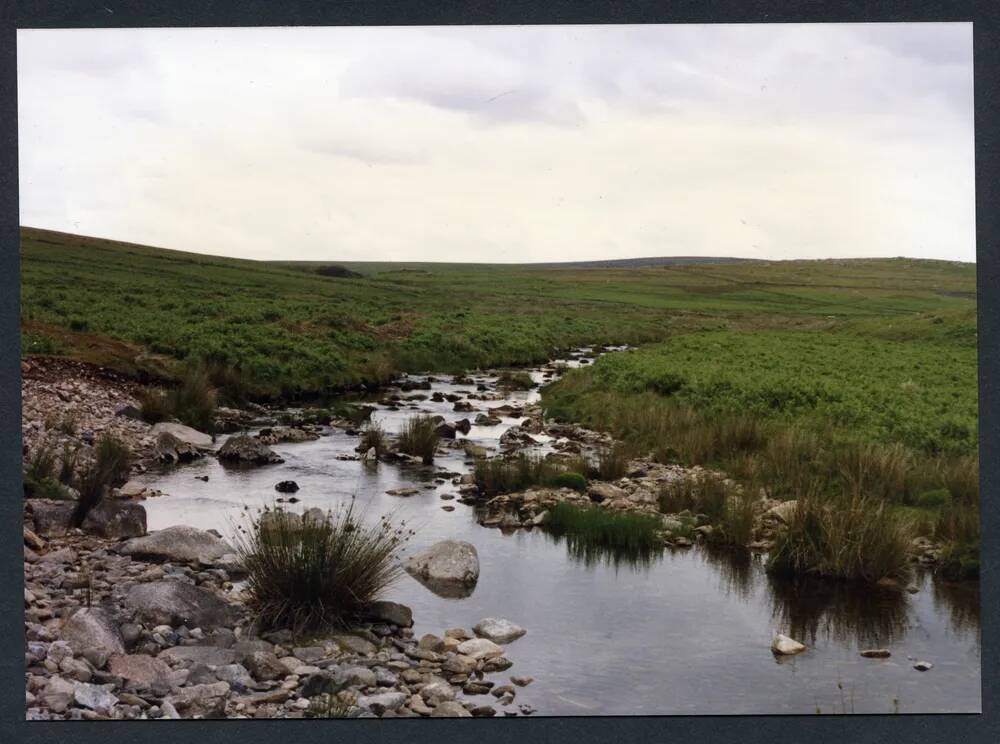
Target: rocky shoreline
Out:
[124,625]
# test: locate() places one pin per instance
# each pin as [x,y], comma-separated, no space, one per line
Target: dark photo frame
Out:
[982,727]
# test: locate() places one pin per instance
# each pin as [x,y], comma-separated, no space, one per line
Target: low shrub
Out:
[568,479]
[315,574]
[853,537]
[704,493]
[109,468]
[933,499]
[153,406]
[959,561]
[515,380]
[192,402]
[419,437]
[40,480]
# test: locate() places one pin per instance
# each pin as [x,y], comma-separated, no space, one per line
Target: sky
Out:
[504,143]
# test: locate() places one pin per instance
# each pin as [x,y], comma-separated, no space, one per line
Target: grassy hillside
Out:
[151,310]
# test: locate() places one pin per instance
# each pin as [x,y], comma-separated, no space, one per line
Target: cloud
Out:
[503,143]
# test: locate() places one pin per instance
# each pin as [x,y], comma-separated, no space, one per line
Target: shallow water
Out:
[687,633]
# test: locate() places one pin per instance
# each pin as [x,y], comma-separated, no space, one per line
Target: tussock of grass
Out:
[374,435]
[515,380]
[567,479]
[109,468]
[503,475]
[192,402]
[41,480]
[597,528]
[612,462]
[857,538]
[419,438]
[315,574]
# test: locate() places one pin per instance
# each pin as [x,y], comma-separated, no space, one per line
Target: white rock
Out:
[498,630]
[479,648]
[186,434]
[786,646]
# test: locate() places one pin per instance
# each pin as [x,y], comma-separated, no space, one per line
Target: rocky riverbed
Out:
[119,589]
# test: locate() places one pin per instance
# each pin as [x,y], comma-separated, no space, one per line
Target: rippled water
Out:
[687,633]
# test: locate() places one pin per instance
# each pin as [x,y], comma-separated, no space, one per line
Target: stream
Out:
[688,632]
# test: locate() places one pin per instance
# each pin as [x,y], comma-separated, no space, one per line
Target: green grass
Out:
[593,531]
[515,380]
[419,437]
[287,329]
[316,574]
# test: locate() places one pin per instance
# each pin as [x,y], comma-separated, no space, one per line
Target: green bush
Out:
[959,561]
[515,380]
[591,530]
[933,499]
[567,480]
[310,575]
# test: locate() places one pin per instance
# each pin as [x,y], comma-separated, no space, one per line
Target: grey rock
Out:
[93,628]
[51,516]
[183,433]
[498,630]
[177,603]
[382,702]
[449,563]
[450,709]
[391,612]
[245,450]
[96,697]
[141,672]
[115,518]
[183,544]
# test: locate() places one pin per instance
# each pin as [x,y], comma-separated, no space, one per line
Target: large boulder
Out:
[183,544]
[184,434]
[170,449]
[391,612]
[115,518]
[783,512]
[51,516]
[245,450]
[446,566]
[479,648]
[498,630]
[600,491]
[93,629]
[177,603]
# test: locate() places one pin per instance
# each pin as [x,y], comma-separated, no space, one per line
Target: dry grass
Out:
[419,438]
[109,468]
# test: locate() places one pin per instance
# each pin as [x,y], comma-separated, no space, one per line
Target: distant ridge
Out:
[633,263]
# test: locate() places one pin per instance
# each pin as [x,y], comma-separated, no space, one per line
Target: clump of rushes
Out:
[310,575]
[853,537]
[419,438]
[515,380]
[612,462]
[330,705]
[703,492]
[875,470]
[596,528]
[373,436]
[109,468]
[192,402]
[504,475]
[40,480]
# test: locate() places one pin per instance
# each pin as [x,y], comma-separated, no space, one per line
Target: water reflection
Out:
[812,608]
[592,554]
[961,601]
[737,569]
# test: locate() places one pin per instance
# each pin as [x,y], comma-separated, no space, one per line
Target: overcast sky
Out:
[504,143]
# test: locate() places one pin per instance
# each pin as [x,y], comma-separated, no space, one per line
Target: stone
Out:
[115,518]
[207,700]
[391,612]
[483,711]
[354,644]
[170,449]
[522,681]
[876,653]
[96,697]
[236,675]
[191,655]
[93,628]
[782,645]
[183,433]
[600,491]
[141,672]
[923,666]
[436,692]
[183,544]
[58,694]
[177,603]
[403,491]
[286,486]
[450,709]
[449,561]
[356,676]
[264,666]
[246,450]
[382,702]
[132,489]
[783,512]
[498,630]
[480,648]
[51,516]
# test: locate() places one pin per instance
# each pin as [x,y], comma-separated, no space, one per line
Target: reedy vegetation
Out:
[315,574]
[419,437]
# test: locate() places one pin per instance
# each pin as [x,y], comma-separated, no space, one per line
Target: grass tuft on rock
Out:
[311,575]
[373,436]
[624,532]
[855,538]
[192,402]
[419,438]
[109,468]
[515,380]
